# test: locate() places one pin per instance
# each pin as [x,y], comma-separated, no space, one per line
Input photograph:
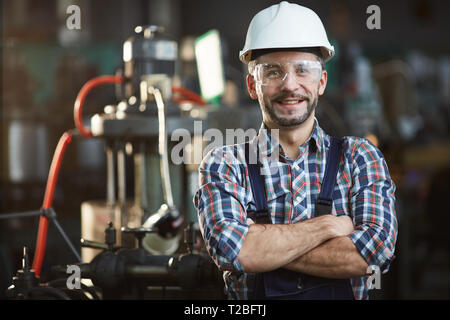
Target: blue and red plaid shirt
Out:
[364,191]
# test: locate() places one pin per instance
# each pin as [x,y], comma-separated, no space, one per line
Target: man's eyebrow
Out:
[271,64]
[306,62]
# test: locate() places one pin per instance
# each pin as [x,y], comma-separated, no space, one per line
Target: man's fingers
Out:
[346,224]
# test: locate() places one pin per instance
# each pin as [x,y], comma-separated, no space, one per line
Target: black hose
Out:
[57,293]
[58,283]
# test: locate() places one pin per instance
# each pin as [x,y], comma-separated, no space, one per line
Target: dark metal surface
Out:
[137,126]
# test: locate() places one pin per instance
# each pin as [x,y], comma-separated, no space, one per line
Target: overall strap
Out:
[261,215]
[324,203]
[282,283]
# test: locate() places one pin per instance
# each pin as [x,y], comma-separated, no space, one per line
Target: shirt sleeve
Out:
[221,202]
[373,206]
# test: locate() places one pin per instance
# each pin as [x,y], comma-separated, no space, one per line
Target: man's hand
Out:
[250,221]
[336,258]
[343,225]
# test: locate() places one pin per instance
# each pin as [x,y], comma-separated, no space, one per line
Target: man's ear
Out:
[251,87]
[323,82]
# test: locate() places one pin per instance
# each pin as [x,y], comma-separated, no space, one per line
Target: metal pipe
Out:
[66,238]
[121,185]
[162,147]
[20,214]
[141,165]
[51,214]
[147,271]
[93,244]
[110,178]
[120,212]
[154,275]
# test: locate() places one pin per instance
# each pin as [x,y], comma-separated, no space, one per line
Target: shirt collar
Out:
[268,142]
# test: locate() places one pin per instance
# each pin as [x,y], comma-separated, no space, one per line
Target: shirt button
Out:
[298,199]
[296,167]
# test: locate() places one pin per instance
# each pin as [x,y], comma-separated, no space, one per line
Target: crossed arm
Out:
[318,247]
[326,246]
[337,258]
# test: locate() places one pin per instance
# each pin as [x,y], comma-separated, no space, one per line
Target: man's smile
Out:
[290,103]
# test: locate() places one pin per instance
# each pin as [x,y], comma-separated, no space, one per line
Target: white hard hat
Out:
[286,25]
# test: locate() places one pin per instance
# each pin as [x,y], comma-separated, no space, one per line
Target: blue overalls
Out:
[283,284]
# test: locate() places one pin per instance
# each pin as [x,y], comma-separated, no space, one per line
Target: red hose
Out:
[189,95]
[61,147]
[56,163]
[48,200]
[88,86]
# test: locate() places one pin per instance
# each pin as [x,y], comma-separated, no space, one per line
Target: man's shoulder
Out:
[226,154]
[351,145]
[361,149]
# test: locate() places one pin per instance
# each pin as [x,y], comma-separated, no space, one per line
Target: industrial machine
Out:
[131,240]
[123,273]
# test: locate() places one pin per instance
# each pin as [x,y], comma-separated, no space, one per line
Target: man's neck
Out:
[291,138]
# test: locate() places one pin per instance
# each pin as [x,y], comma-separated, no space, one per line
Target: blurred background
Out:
[390,85]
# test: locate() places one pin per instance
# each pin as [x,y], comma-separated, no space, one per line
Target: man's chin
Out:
[291,122]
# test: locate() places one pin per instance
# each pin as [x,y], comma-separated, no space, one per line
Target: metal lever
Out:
[93,244]
[139,233]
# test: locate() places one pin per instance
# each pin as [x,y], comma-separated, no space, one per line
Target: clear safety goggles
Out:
[274,73]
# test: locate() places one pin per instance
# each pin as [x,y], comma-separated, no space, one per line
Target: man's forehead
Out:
[286,56]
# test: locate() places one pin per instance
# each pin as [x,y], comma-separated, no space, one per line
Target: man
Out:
[286,47]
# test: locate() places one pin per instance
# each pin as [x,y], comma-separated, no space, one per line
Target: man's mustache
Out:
[290,95]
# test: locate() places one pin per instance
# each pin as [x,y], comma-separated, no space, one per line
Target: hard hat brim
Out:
[247,55]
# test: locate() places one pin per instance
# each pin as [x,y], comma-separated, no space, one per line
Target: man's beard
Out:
[281,121]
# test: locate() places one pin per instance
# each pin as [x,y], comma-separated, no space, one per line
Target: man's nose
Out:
[290,82]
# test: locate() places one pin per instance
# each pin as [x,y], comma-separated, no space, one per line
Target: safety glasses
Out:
[274,74]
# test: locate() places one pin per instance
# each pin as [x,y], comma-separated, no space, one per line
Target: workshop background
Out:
[391,85]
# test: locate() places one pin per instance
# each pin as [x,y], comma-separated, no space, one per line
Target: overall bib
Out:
[282,284]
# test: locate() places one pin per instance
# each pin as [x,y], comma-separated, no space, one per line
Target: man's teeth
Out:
[290,101]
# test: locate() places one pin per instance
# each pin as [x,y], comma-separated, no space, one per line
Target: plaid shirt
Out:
[364,191]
